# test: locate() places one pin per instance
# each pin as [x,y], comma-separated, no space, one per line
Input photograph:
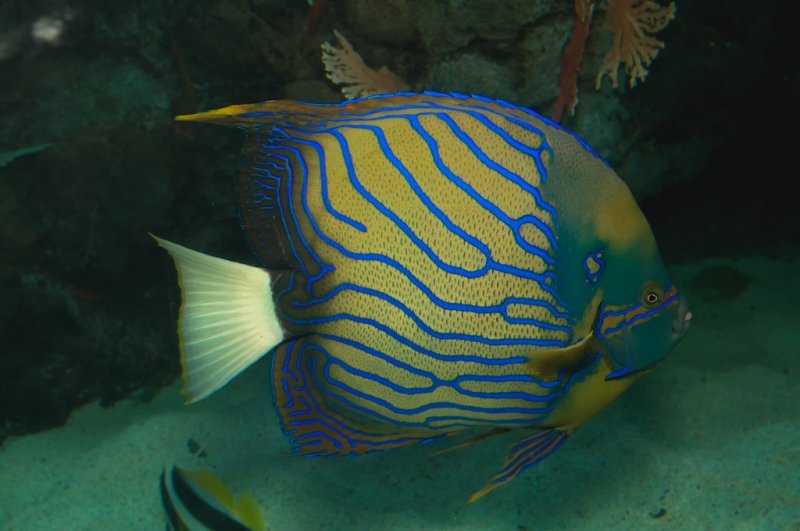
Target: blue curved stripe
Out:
[505,172]
[423,408]
[319,413]
[324,183]
[389,261]
[501,308]
[418,321]
[439,335]
[383,209]
[638,317]
[425,104]
[289,181]
[489,395]
[515,224]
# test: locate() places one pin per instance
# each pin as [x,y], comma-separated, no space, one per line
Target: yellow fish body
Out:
[433,263]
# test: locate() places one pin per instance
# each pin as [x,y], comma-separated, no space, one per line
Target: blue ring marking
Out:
[596,256]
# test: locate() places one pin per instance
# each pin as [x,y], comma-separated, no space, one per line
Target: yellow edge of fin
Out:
[219,115]
[249,512]
[218,495]
[227,319]
[211,485]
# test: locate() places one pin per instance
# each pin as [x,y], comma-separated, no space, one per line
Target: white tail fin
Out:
[227,319]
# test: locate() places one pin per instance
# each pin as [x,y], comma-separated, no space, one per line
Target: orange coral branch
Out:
[314,19]
[571,60]
[633,23]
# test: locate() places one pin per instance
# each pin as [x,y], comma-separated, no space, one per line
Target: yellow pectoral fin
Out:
[546,364]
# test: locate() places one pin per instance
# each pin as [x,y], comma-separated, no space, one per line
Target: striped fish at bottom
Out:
[431,264]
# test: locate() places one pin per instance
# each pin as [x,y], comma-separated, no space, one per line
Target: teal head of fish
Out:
[430,264]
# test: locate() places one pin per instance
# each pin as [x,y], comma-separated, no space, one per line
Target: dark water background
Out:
[88,303]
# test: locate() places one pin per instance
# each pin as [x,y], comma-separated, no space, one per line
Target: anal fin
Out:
[525,453]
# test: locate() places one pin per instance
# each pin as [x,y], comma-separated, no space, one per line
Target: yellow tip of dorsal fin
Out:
[225,115]
[304,115]
[227,319]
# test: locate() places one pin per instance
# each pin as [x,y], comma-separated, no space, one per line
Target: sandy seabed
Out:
[710,440]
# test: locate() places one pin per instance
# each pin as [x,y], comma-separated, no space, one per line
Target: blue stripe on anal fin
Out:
[314,425]
[525,453]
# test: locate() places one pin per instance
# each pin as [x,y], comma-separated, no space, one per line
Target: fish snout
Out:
[682,320]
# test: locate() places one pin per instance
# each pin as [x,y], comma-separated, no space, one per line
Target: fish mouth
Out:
[682,320]
[680,324]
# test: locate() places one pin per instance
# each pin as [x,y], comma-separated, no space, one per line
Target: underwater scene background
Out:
[692,103]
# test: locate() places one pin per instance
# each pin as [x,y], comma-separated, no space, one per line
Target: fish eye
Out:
[652,295]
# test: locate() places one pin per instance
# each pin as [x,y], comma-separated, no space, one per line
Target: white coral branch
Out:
[345,67]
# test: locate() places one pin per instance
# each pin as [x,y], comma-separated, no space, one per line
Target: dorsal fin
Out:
[265,202]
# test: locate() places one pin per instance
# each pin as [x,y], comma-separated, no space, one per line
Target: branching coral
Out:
[634,24]
[571,60]
[344,66]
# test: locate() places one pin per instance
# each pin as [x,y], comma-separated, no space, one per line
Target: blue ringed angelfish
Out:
[431,263]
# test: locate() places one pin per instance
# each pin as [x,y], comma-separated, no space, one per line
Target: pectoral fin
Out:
[546,364]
